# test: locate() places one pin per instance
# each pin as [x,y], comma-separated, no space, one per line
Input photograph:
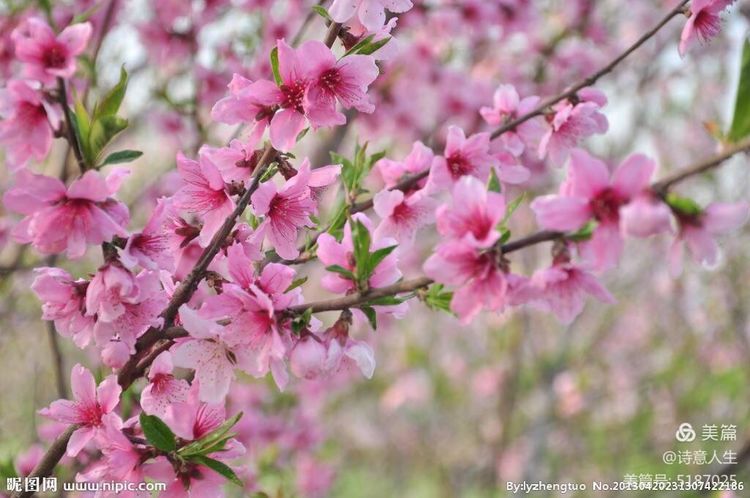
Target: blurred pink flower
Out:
[371,13]
[704,22]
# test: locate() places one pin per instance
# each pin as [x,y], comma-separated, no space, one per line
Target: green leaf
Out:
[322,12]
[158,433]
[7,470]
[298,282]
[110,103]
[219,467]
[683,205]
[359,45]
[341,271]
[361,241]
[103,130]
[504,235]
[740,127]
[213,441]
[494,183]
[373,47]
[122,156]
[583,233]
[377,257]
[275,66]
[513,206]
[302,322]
[438,299]
[371,315]
[386,301]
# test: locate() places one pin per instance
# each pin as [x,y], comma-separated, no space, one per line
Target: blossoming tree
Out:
[271,249]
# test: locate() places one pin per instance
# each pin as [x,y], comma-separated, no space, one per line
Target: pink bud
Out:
[308,358]
[115,354]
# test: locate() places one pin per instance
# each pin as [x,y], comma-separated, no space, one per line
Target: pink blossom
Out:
[507,106]
[402,215]
[286,210]
[90,405]
[163,388]
[704,22]
[564,287]
[26,461]
[122,460]
[314,479]
[59,219]
[588,194]
[473,215]
[572,122]
[203,193]
[212,353]
[698,232]
[645,216]
[49,56]
[236,163]
[371,13]
[308,357]
[27,124]
[63,300]
[331,252]
[347,354]
[150,248]
[462,156]
[480,281]
[419,160]
[111,288]
[248,101]
[346,79]
[251,312]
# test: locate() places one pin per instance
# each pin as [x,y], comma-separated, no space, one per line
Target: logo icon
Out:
[685,433]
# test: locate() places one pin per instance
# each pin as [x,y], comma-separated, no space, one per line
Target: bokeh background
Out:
[452,410]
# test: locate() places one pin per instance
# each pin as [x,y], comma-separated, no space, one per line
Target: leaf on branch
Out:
[275,65]
[121,156]
[220,468]
[584,233]
[110,103]
[371,315]
[213,441]
[683,205]
[322,12]
[341,271]
[298,282]
[158,433]
[437,298]
[740,127]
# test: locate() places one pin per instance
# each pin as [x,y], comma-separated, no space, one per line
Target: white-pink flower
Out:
[704,22]
[462,156]
[163,389]
[91,404]
[402,215]
[371,13]
[63,300]
[286,210]
[473,214]
[67,219]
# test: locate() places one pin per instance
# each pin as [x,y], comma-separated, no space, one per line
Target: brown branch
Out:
[46,465]
[72,135]
[662,186]
[542,108]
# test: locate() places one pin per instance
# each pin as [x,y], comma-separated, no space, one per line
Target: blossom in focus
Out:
[63,300]
[507,106]
[476,273]
[402,215]
[48,56]
[571,123]
[67,219]
[589,193]
[462,156]
[473,214]
[286,210]
[90,405]
[163,389]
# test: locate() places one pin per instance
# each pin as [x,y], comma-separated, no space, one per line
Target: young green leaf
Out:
[494,183]
[377,257]
[360,45]
[361,241]
[740,127]
[298,282]
[322,12]
[438,299]
[121,156]
[371,315]
[110,103]
[341,271]
[583,233]
[683,205]
[373,46]
[158,433]
[219,467]
[275,65]
[213,441]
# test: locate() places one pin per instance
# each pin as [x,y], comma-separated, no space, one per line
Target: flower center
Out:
[458,165]
[294,95]
[330,79]
[606,205]
[54,57]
